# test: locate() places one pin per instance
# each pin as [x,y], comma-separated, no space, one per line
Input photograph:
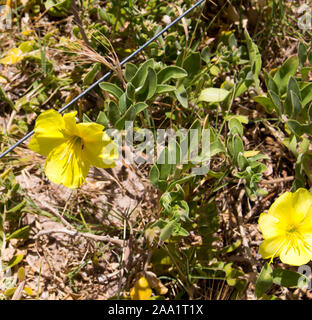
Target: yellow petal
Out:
[141,290]
[272,247]
[305,229]
[307,240]
[49,129]
[12,56]
[65,164]
[302,203]
[70,123]
[26,32]
[270,226]
[295,255]
[88,130]
[251,153]
[282,208]
[99,149]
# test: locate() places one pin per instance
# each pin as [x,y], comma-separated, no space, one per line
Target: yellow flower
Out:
[287,228]
[12,56]
[26,32]
[141,290]
[71,148]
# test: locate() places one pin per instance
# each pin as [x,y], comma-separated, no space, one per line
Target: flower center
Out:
[73,146]
[77,141]
[292,229]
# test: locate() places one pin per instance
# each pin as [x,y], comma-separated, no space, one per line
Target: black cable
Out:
[108,73]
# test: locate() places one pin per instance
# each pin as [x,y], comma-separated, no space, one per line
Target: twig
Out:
[279,136]
[185,284]
[81,234]
[3,240]
[278,180]
[13,114]
[19,291]
[79,23]
[241,228]
[56,213]
[124,257]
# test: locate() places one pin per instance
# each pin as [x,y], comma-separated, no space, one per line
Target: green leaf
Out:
[124,103]
[235,146]
[216,147]
[208,221]
[213,95]
[177,194]
[307,163]
[140,76]
[149,87]
[299,129]
[291,87]
[235,127]
[130,91]
[242,87]
[112,89]
[288,278]
[240,118]
[270,83]
[154,175]
[282,75]
[306,94]
[266,103]
[180,181]
[302,54]
[102,119]
[230,248]
[4,97]
[58,8]
[238,146]
[305,72]
[205,54]
[170,72]
[166,232]
[242,161]
[140,106]
[130,71]
[310,56]
[254,55]
[192,64]
[264,281]
[278,106]
[22,233]
[179,231]
[128,116]
[181,95]
[164,88]
[90,76]
[27,46]
[15,260]
[165,168]
[17,207]
[113,112]
[165,201]
[296,105]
